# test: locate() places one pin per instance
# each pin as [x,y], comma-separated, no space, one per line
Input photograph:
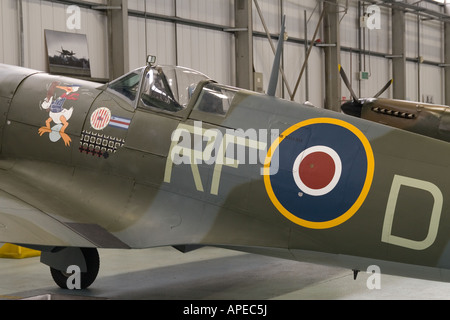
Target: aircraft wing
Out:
[28,215]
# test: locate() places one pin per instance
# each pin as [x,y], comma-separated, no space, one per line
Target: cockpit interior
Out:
[171,88]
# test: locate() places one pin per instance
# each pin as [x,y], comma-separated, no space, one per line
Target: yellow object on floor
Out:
[15,252]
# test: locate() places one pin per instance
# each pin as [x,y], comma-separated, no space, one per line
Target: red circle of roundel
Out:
[317,170]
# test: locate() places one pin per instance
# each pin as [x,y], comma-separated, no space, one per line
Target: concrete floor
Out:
[212,274]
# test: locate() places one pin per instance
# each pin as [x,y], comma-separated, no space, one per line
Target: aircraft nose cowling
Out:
[10,79]
[352,108]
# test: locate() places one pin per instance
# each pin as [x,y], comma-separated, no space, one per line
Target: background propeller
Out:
[354,107]
[386,86]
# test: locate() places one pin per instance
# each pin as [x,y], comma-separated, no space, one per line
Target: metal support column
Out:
[332,55]
[244,44]
[118,38]
[398,53]
[21,35]
[306,53]
[419,60]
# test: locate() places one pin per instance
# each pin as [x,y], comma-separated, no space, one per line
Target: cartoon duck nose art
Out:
[57,114]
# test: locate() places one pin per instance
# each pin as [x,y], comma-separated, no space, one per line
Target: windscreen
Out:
[127,86]
[170,88]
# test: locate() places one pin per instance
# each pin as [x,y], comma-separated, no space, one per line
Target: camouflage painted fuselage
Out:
[325,187]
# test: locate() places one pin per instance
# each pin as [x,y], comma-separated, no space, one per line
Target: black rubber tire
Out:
[87,278]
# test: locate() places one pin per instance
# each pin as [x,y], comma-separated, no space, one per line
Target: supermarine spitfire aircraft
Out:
[165,156]
[66,53]
[423,118]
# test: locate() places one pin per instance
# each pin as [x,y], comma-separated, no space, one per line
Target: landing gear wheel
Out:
[87,278]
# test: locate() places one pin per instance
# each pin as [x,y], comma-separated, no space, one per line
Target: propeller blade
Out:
[386,86]
[347,83]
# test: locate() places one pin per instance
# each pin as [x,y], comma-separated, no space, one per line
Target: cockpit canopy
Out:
[164,87]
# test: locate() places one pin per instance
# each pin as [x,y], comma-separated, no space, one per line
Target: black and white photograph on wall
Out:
[68,53]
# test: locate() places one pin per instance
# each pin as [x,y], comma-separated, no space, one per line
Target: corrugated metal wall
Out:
[371,42]
[207,50]
[424,80]
[294,52]
[212,50]
[9,32]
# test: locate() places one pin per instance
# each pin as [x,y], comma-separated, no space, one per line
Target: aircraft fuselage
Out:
[268,176]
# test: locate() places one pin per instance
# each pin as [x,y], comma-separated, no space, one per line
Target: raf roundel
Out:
[319,172]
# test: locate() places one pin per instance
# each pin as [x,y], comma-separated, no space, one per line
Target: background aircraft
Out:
[423,118]
[66,53]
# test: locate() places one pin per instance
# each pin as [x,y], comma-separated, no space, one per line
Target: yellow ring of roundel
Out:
[365,190]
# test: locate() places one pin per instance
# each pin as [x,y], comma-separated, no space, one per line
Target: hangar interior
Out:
[232,41]
[229,41]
